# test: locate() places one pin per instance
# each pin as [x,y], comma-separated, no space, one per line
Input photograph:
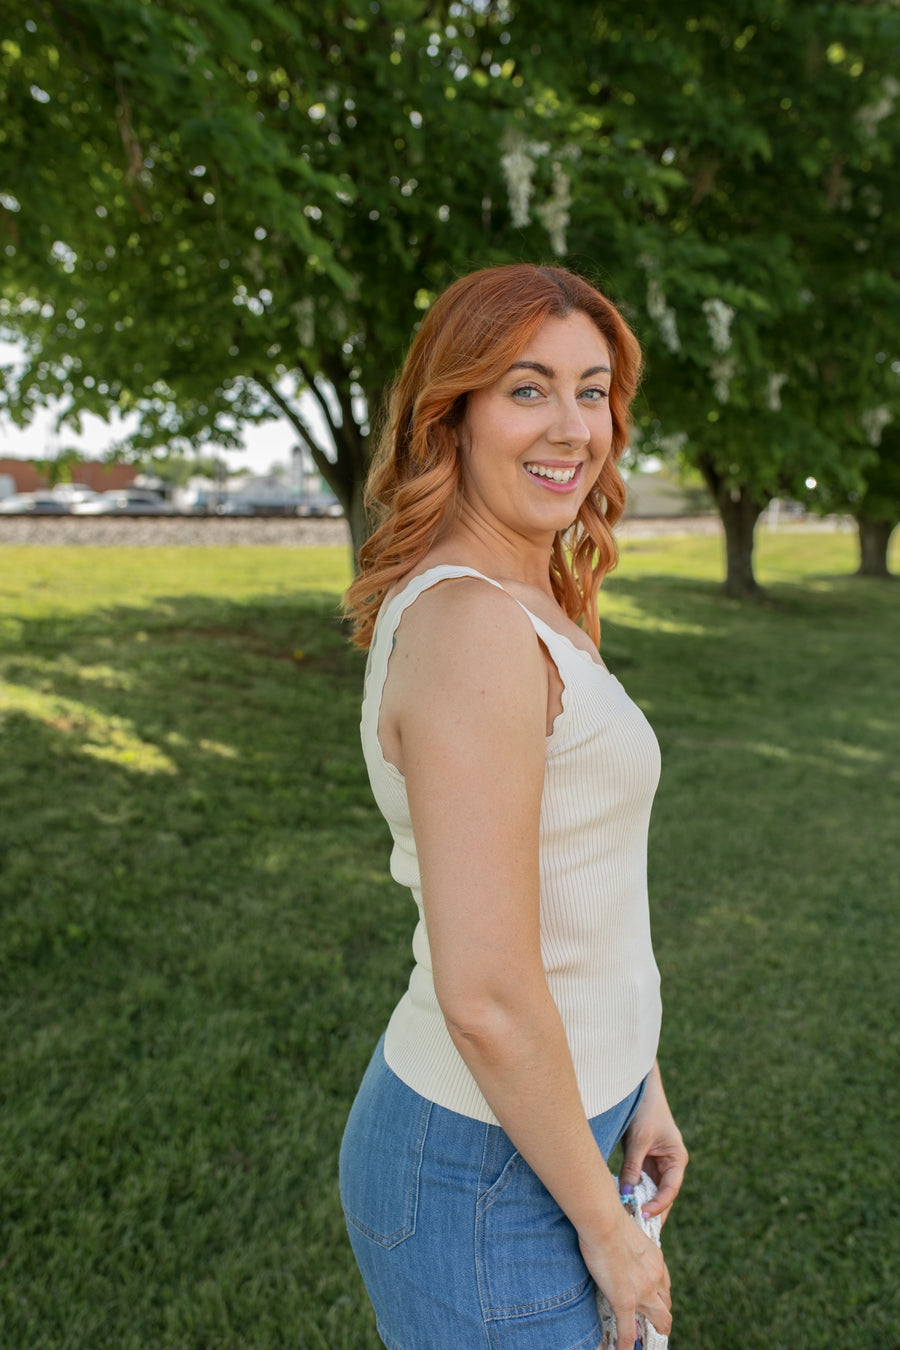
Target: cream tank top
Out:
[601,775]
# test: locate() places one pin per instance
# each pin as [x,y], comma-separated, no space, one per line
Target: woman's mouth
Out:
[554,475]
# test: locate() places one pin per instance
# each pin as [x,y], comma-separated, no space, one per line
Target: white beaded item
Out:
[651,1339]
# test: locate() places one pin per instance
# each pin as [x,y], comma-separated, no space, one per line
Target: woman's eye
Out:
[527,392]
[596,394]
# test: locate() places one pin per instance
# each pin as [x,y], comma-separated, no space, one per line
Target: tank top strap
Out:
[392,612]
[562,649]
[424,581]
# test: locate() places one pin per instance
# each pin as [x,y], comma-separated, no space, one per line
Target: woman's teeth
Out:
[558,475]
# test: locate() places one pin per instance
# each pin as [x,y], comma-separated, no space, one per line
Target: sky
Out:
[266,445]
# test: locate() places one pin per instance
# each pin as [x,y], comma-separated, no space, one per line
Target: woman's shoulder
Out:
[463,651]
[428,573]
[452,608]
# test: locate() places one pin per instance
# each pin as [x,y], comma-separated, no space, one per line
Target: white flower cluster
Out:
[672,444]
[658,308]
[254,265]
[774,385]
[873,422]
[873,113]
[304,314]
[518,163]
[554,214]
[722,373]
[718,321]
[338,322]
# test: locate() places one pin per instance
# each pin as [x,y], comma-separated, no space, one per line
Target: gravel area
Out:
[219,531]
[162,531]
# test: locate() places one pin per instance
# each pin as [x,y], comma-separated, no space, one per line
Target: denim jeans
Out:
[460,1246]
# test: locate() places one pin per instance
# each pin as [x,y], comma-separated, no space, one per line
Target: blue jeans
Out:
[460,1246]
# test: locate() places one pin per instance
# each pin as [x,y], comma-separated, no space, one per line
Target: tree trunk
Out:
[739,518]
[874,537]
[346,474]
[358,522]
[739,508]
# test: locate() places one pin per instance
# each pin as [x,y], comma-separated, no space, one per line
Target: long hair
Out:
[467,340]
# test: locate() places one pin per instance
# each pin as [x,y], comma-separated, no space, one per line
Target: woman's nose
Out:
[569,426]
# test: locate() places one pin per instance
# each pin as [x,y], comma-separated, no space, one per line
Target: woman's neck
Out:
[469,542]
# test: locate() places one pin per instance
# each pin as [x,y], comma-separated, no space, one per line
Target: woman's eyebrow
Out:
[551,374]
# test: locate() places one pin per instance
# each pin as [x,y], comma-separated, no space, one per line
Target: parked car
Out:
[73,493]
[125,502]
[265,504]
[33,504]
[323,504]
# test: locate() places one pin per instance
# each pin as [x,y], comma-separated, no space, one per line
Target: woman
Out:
[517,778]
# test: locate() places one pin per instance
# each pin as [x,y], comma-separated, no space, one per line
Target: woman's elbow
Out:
[487,1021]
[472,1024]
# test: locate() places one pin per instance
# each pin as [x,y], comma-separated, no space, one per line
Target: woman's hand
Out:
[631,1272]
[653,1144]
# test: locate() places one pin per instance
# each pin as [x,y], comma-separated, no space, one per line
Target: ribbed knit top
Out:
[601,774]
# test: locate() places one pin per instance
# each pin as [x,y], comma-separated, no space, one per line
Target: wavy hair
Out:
[470,336]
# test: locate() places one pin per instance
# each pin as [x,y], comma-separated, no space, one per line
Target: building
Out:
[92,473]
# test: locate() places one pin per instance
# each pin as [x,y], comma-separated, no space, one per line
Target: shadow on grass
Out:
[202,943]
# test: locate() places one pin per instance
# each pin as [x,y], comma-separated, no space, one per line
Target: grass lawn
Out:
[201,942]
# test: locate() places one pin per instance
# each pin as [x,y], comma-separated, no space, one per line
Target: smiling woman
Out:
[534,443]
[469,340]
[517,778]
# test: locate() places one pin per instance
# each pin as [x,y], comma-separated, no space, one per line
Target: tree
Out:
[232,205]
[140,175]
[877,510]
[768,271]
[876,507]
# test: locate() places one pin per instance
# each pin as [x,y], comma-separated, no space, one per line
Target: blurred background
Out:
[220,223]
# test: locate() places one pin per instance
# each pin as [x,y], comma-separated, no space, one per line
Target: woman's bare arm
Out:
[466,700]
[653,1144]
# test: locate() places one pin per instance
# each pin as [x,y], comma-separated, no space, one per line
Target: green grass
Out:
[201,942]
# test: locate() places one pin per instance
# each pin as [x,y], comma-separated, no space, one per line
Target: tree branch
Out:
[351,436]
[320,459]
[333,371]
[320,398]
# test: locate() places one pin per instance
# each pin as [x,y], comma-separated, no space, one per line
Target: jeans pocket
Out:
[528,1257]
[381,1157]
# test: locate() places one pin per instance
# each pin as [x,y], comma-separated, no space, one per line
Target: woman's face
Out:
[533,444]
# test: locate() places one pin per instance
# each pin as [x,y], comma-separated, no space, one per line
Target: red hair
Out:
[467,340]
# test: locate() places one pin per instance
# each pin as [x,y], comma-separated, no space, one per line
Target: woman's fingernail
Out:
[645,1214]
[626,1189]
